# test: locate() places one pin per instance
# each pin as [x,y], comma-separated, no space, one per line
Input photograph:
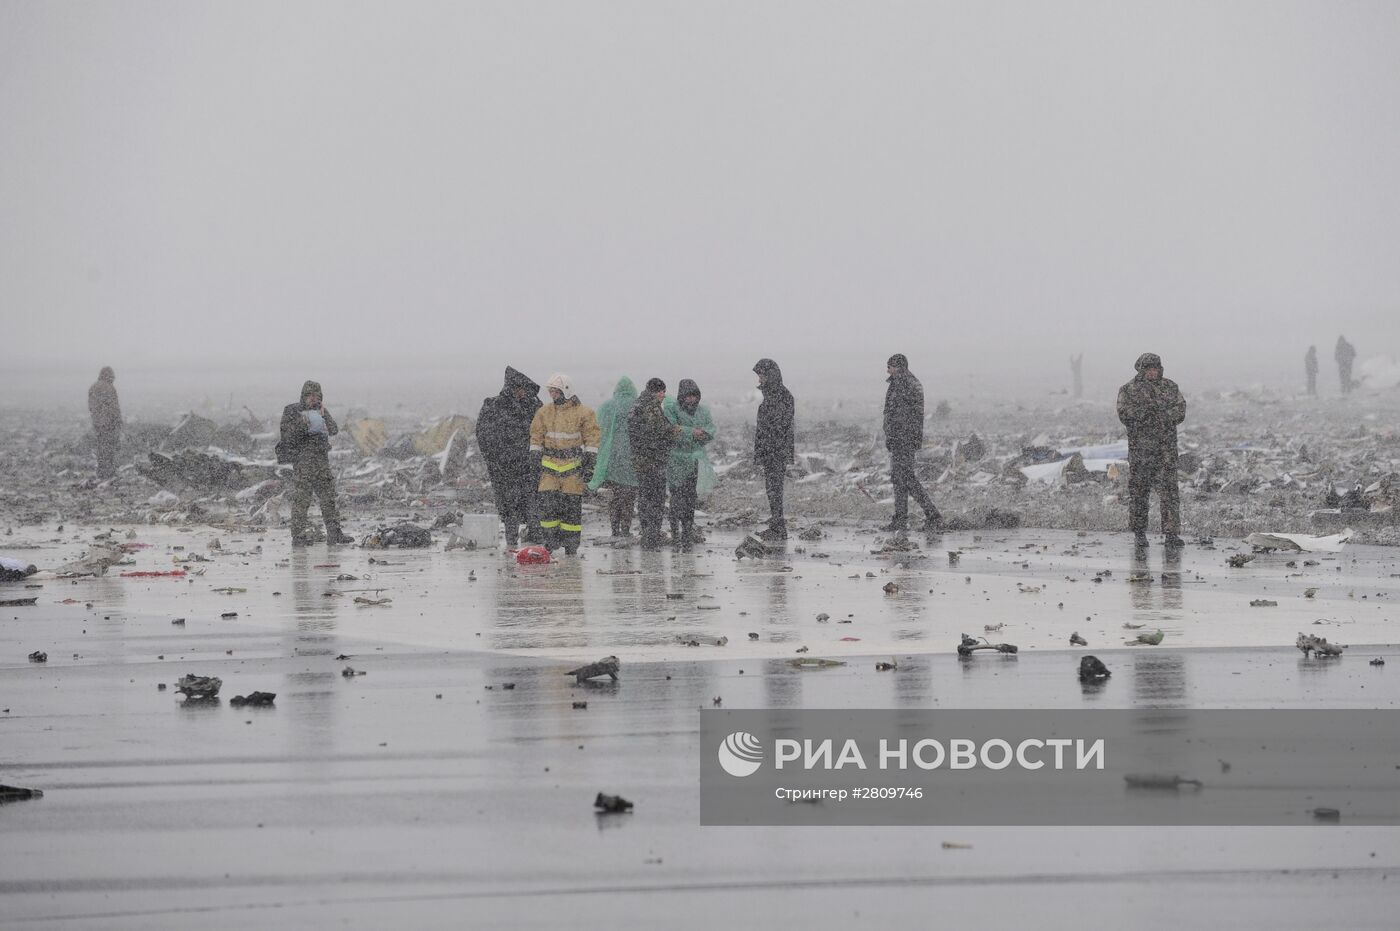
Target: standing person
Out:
[904,436]
[689,473]
[106,413]
[503,433]
[651,436]
[307,428]
[1151,406]
[773,444]
[1346,355]
[614,467]
[1310,367]
[1076,366]
[564,435]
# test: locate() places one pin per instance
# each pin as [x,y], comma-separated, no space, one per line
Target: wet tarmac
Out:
[428,793]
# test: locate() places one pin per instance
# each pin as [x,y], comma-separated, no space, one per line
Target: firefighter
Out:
[564,438]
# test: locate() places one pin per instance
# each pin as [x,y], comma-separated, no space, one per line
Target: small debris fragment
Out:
[1076,640]
[580,706]
[38,656]
[1325,814]
[611,804]
[1153,639]
[229,615]
[753,636]
[18,794]
[891,588]
[1092,669]
[823,618]
[891,666]
[1156,781]
[993,628]
[1378,661]
[970,645]
[955,845]
[350,672]
[1239,560]
[1263,603]
[254,699]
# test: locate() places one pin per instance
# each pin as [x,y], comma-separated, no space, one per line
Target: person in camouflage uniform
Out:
[106,413]
[1151,406]
[307,428]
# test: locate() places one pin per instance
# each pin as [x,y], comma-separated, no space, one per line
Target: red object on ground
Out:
[170,574]
[532,555]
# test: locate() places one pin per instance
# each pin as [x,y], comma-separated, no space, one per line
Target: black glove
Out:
[589,461]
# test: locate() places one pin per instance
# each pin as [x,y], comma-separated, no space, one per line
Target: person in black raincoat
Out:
[651,437]
[1151,406]
[503,433]
[106,413]
[1345,354]
[904,436]
[307,428]
[773,444]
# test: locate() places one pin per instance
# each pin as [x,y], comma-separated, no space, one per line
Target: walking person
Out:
[689,473]
[904,437]
[503,433]
[106,412]
[1151,407]
[307,428]
[614,469]
[774,447]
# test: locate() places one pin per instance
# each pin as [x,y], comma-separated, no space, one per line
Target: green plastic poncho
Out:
[615,450]
[688,455]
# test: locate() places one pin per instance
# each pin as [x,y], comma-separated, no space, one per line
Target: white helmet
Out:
[561,381]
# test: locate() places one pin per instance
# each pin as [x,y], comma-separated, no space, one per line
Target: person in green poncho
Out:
[614,468]
[689,472]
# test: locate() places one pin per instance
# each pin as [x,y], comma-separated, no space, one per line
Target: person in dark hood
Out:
[651,437]
[689,474]
[1310,369]
[1345,354]
[106,412]
[1151,406]
[773,444]
[904,436]
[503,434]
[307,428]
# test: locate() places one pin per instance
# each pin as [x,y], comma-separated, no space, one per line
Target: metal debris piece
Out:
[970,645]
[255,699]
[891,666]
[18,794]
[891,588]
[814,662]
[1378,661]
[1310,644]
[1153,639]
[1239,560]
[1092,669]
[1157,781]
[199,688]
[38,656]
[607,666]
[372,602]
[1077,641]
[350,672]
[611,804]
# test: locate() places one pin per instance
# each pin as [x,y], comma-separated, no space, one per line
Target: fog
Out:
[221,199]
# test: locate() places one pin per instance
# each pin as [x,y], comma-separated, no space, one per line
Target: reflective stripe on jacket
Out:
[563,433]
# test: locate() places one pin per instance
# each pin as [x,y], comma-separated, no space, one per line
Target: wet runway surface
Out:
[426,792]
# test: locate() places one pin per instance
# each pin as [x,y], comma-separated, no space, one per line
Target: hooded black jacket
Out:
[904,412]
[773,443]
[297,438]
[503,429]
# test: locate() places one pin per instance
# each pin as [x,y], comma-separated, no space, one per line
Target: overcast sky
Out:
[569,184]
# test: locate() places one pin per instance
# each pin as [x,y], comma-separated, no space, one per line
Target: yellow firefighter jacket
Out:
[563,433]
